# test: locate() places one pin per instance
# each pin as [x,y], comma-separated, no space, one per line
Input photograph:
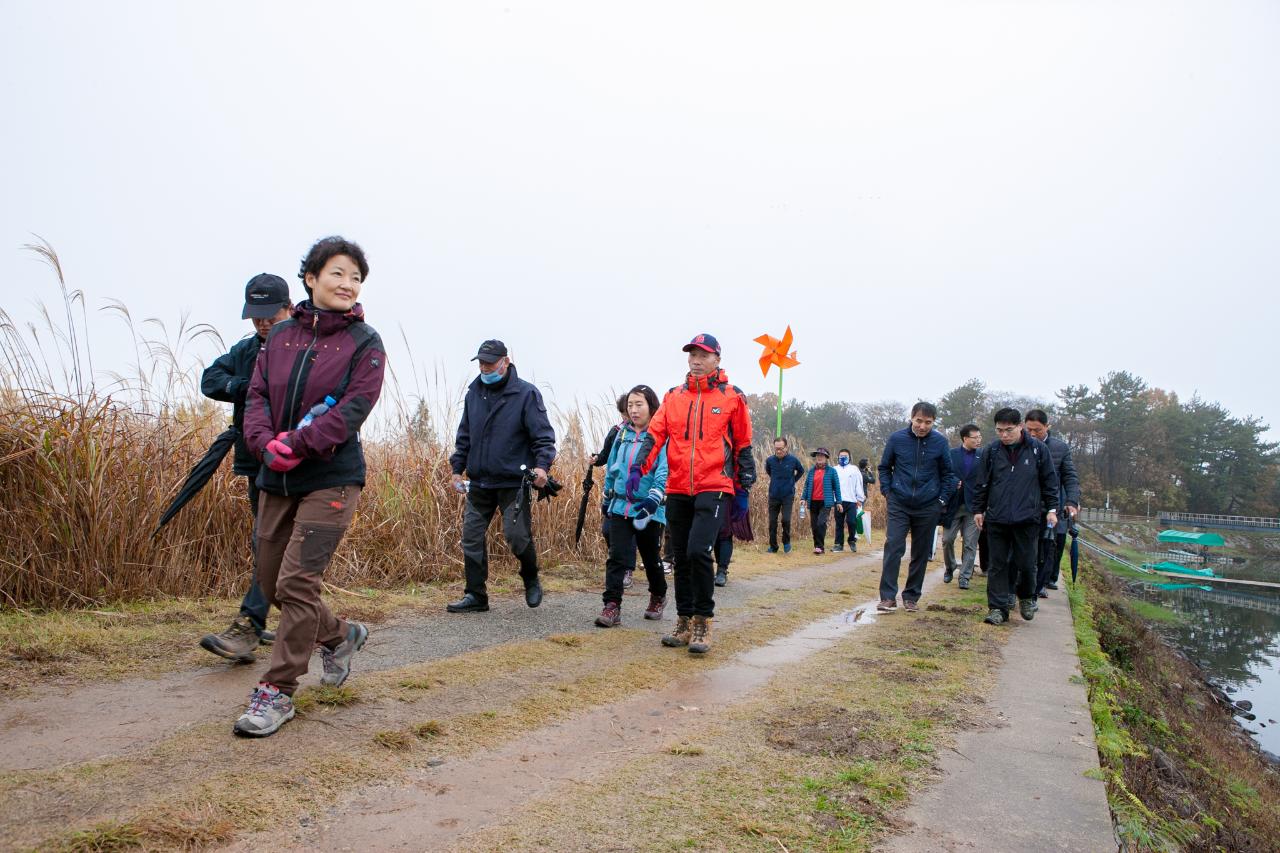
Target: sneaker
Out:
[910,606]
[786,549]
[611,616]
[236,643]
[818,551]
[1051,585]
[773,549]
[854,547]
[627,578]
[996,617]
[947,575]
[837,548]
[1028,607]
[722,577]
[886,605]
[700,636]
[679,636]
[266,638]
[963,584]
[337,663]
[268,710]
[656,605]
[1042,594]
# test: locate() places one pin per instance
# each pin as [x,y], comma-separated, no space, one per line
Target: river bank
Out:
[1180,772]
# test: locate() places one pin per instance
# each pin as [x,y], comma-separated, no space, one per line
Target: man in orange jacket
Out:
[706,428]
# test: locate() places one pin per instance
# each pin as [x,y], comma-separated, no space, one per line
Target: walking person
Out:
[737,523]
[313,469]
[917,481]
[822,493]
[852,496]
[599,460]
[634,525]
[965,461]
[784,471]
[1015,498]
[868,474]
[705,426]
[266,303]
[1052,546]
[504,432]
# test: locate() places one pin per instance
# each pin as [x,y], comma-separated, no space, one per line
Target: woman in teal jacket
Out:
[820,497]
[634,524]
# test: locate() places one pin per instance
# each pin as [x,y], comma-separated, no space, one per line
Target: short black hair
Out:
[650,397]
[330,247]
[926,409]
[863,461]
[968,430]
[780,438]
[1040,416]
[621,403]
[843,450]
[1008,415]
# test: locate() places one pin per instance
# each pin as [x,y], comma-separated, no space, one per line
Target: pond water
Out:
[1234,633]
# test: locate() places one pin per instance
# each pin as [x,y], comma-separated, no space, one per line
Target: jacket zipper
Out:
[293,400]
[693,446]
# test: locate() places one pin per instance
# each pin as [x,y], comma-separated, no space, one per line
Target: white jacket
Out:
[851,488]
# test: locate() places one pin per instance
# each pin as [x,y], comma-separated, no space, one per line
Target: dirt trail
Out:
[114,719]
[435,808]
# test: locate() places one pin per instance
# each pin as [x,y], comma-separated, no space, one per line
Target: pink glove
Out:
[279,456]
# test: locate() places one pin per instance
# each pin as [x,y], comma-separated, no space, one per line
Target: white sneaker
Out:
[268,710]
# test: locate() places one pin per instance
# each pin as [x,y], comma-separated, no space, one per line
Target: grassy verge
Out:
[823,758]
[1180,773]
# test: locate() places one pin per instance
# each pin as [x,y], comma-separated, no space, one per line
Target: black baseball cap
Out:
[264,295]
[703,341]
[490,351]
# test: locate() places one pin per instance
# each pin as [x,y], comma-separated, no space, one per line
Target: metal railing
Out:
[1227,522]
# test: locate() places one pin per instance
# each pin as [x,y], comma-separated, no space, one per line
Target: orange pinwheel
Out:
[777,352]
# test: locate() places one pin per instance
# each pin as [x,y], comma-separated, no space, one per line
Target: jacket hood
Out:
[326,322]
[708,382]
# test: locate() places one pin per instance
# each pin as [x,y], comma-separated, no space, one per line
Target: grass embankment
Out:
[1180,773]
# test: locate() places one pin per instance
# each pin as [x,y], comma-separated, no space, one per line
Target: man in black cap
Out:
[266,302]
[504,432]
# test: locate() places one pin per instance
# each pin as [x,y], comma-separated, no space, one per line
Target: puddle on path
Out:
[437,807]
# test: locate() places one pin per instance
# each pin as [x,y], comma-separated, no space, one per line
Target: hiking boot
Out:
[1028,607]
[700,636]
[469,603]
[657,604]
[786,549]
[268,710]
[679,636]
[337,663]
[611,616]
[627,579]
[722,577]
[947,576]
[910,606]
[886,605]
[1042,594]
[533,593]
[996,617]
[266,638]
[963,584]
[854,547]
[236,643]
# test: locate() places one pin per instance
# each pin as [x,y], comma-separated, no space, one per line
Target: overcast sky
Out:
[1033,193]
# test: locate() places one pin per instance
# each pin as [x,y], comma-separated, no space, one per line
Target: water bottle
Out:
[802,510]
[640,522]
[317,410]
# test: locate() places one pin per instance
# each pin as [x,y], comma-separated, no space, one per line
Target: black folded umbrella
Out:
[200,474]
[1075,552]
[582,507]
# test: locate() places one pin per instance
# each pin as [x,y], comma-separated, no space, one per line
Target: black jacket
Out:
[1018,488]
[1068,482]
[965,485]
[227,381]
[916,472]
[503,427]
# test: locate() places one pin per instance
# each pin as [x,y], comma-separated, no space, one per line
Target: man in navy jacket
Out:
[1037,422]
[917,481]
[1016,497]
[965,460]
[784,471]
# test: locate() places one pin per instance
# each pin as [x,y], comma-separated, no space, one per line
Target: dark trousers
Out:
[624,541]
[920,523]
[297,536]
[695,525]
[1050,559]
[517,528]
[780,509]
[818,523]
[724,553]
[984,550]
[254,606]
[846,521]
[1013,563]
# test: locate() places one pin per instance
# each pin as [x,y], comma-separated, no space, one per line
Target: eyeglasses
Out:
[1009,430]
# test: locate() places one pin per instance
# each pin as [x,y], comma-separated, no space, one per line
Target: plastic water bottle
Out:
[802,510]
[317,410]
[640,522]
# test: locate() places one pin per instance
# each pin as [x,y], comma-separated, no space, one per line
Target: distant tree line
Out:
[1127,438]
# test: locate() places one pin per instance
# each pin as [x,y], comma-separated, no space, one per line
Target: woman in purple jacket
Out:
[317,378]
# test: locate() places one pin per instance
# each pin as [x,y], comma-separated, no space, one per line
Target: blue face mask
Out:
[844,460]
[491,377]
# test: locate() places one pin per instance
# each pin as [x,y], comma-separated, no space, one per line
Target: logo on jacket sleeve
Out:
[715,410]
